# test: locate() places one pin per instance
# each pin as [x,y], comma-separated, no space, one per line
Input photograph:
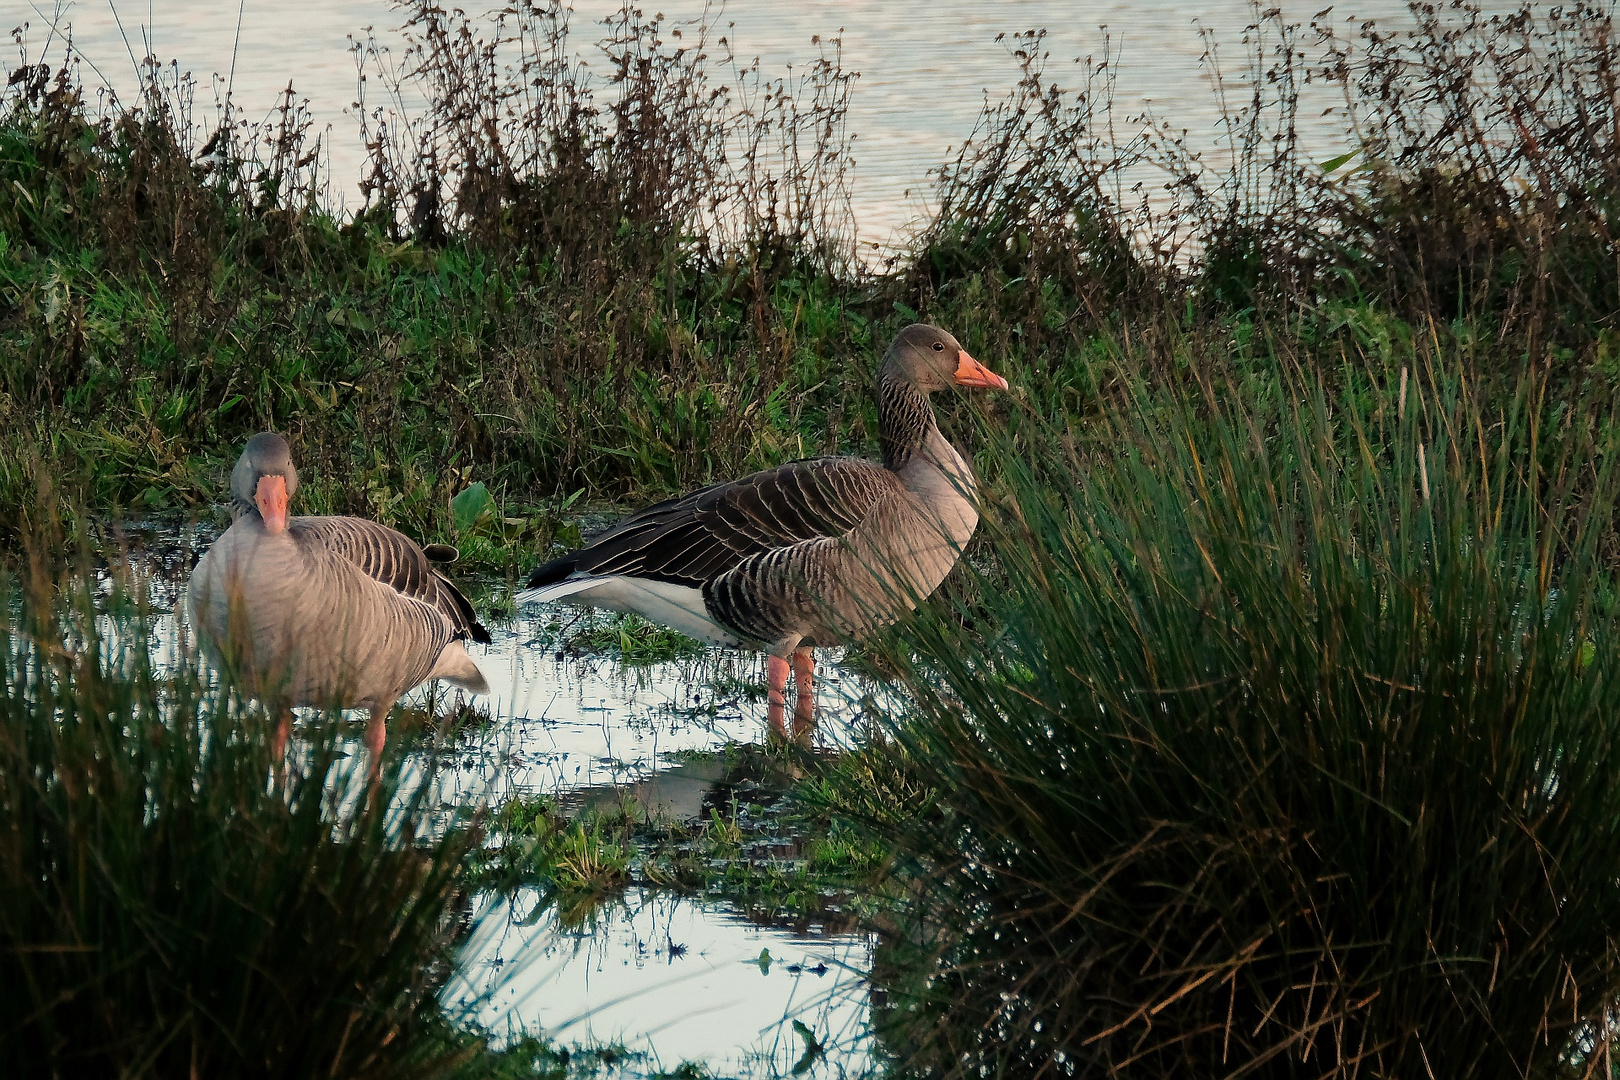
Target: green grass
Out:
[626,637]
[563,333]
[772,850]
[1265,726]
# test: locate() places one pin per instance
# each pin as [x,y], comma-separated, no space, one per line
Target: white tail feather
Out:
[455,666]
[557,590]
[679,607]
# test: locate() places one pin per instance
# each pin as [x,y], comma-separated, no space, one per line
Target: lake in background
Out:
[926,69]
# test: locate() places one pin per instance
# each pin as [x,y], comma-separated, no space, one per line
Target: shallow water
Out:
[663,975]
[561,724]
[675,978]
[926,68]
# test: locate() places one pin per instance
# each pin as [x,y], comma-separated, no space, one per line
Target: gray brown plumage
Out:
[325,611]
[806,553]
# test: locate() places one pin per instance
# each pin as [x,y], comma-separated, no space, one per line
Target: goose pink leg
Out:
[376,738]
[776,676]
[278,745]
[804,684]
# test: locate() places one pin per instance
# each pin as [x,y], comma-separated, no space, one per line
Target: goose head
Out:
[265,480]
[931,359]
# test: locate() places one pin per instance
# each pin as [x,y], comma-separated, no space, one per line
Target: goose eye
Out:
[939,346]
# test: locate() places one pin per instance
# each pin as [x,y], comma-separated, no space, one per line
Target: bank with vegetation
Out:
[1268,727]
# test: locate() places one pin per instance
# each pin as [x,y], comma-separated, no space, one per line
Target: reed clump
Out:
[165,910]
[1277,744]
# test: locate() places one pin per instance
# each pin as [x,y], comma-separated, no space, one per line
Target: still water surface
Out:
[675,978]
[926,69]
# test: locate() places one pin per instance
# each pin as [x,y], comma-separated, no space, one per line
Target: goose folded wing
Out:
[697,537]
[395,560]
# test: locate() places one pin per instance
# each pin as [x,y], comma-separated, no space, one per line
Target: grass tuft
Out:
[1281,745]
[165,910]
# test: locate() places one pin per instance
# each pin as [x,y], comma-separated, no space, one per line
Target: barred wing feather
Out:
[395,560]
[697,537]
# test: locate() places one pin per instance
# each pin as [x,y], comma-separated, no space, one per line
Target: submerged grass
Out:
[1286,748]
[629,638]
[766,842]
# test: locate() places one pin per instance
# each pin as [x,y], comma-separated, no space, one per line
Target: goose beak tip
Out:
[969,372]
[271,499]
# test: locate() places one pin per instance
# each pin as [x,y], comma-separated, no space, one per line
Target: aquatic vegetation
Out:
[1278,743]
[762,845]
[627,637]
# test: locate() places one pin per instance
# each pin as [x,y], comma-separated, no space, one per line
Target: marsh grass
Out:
[165,910]
[763,842]
[169,290]
[639,280]
[1474,185]
[1281,743]
[627,637]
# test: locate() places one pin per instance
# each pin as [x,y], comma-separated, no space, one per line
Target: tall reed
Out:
[1279,742]
[1473,178]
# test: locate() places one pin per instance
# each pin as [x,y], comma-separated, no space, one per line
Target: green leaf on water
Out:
[764,961]
[469,509]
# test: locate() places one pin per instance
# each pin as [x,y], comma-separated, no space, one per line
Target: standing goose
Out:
[326,611]
[804,554]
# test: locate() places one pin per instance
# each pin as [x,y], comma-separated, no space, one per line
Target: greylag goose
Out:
[805,554]
[335,612]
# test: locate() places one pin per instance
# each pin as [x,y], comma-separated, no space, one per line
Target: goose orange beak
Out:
[271,498]
[969,372]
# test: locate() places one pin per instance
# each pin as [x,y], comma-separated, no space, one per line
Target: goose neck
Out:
[905,420]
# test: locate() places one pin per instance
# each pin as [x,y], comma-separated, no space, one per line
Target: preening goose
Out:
[806,553]
[326,611]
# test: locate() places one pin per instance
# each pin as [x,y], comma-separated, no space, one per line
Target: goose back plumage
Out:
[395,560]
[692,539]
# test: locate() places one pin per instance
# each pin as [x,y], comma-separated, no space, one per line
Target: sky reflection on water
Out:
[676,978]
